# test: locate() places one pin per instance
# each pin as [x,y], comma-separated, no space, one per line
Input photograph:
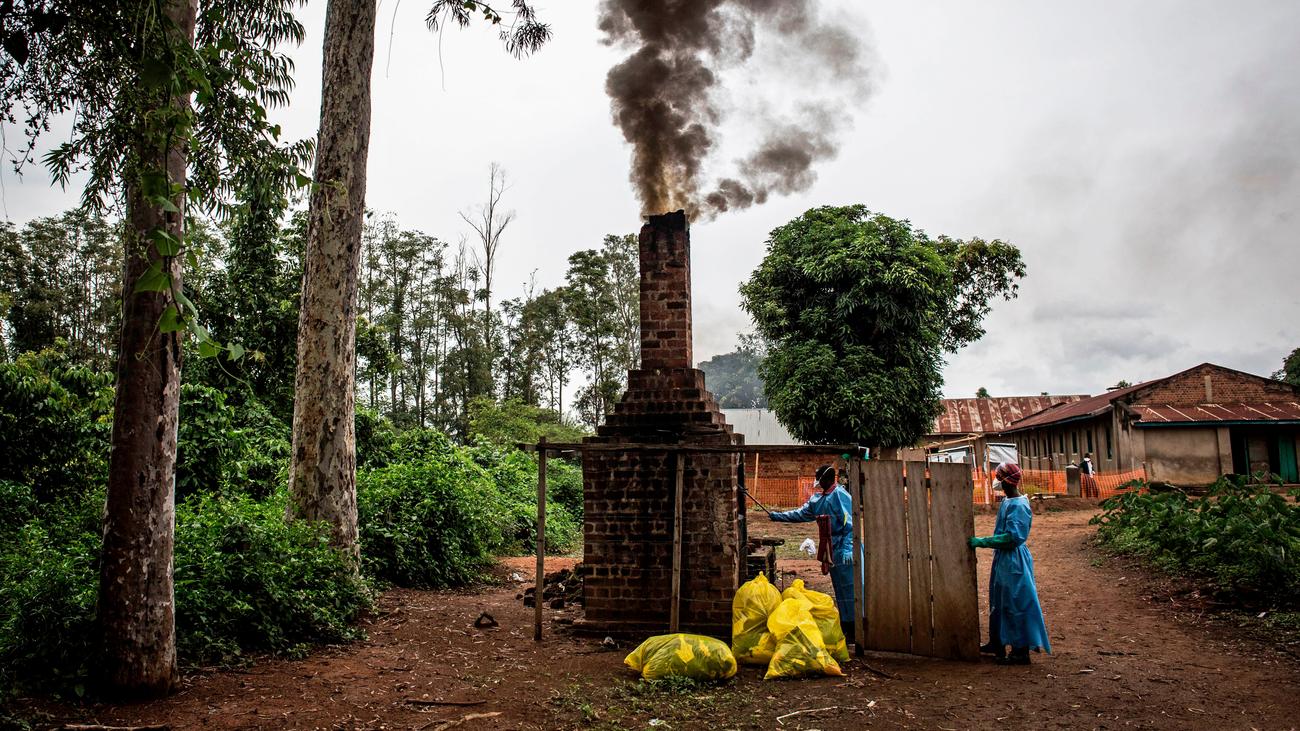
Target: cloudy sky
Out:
[1145,156]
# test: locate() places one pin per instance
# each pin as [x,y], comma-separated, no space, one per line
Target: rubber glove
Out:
[1001,540]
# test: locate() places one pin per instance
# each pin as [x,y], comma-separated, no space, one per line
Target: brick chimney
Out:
[666,292]
[628,495]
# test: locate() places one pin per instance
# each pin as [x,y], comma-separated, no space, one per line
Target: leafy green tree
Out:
[602,298]
[858,309]
[513,422]
[62,283]
[733,377]
[169,99]
[1290,370]
[982,393]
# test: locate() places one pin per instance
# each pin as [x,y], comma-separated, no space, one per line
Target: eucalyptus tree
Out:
[169,96]
[322,476]
[857,310]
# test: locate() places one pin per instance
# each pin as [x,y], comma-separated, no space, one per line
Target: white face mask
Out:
[997,484]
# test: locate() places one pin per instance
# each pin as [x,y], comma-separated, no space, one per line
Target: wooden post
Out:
[539,587]
[742,522]
[674,616]
[859,546]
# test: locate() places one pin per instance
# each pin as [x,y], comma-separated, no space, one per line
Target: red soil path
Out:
[1124,659]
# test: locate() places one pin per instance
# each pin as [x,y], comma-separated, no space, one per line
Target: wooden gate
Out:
[916,590]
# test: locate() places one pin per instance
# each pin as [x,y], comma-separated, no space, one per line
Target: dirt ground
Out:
[1126,656]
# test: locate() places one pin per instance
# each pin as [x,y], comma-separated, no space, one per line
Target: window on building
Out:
[1089,432]
[1108,453]
[1060,442]
[1074,442]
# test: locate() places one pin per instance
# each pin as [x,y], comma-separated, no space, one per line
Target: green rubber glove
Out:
[1001,540]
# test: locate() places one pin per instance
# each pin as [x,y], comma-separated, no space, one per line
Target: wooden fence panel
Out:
[887,598]
[859,546]
[918,555]
[952,523]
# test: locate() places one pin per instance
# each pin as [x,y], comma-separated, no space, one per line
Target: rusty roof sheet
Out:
[1157,414]
[1077,409]
[985,415]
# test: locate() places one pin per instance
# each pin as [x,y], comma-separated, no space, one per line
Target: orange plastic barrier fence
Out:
[1094,487]
[786,493]
[780,493]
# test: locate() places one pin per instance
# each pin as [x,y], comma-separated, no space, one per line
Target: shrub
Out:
[430,523]
[515,475]
[248,581]
[49,577]
[225,449]
[1243,538]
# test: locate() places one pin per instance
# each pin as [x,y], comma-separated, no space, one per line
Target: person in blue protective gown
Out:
[1015,617]
[832,500]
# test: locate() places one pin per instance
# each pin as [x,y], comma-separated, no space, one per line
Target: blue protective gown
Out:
[1015,617]
[839,505]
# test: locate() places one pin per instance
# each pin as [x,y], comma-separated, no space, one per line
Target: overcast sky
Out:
[1145,157]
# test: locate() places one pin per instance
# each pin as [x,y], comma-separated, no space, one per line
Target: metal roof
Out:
[984,415]
[759,426]
[1076,410]
[1157,414]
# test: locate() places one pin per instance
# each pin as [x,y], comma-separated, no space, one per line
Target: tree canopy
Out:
[858,309]
[1290,370]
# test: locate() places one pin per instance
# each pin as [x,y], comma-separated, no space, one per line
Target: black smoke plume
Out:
[668,100]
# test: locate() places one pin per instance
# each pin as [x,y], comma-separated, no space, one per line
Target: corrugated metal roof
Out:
[759,426]
[1155,414]
[1077,409]
[984,415]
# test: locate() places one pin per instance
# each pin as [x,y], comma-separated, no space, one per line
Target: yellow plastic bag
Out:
[682,656]
[800,649]
[751,643]
[825,615]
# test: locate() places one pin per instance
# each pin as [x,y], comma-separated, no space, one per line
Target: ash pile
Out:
[559,589]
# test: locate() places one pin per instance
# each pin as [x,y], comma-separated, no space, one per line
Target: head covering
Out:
[823,471]
[1008,472]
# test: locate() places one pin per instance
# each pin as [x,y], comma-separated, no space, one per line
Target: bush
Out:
[49,578]
[515,475]
[223,449]
[1242,538]
[430,523]
[249,581]
[246,581]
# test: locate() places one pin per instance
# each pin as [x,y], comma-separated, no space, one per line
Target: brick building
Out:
[1188,428]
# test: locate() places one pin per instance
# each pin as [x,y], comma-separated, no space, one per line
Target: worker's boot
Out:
[992,649]
[849,631]
[1018,656]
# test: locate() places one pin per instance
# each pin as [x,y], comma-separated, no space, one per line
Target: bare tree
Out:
[489,221]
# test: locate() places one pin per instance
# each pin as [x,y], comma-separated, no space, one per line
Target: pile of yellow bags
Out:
[825,615]
[794,636]
[682,656]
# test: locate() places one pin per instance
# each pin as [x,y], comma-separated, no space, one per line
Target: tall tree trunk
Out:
[323,477]
[136,595]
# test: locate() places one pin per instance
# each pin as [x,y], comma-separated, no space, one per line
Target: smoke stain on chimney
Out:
[664,95]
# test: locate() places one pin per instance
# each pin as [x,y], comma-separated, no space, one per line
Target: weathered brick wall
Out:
[1225,386]
[628,495]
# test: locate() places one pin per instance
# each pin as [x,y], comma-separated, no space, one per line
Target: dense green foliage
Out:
[433,514]
[857,310]
[1290,370]
[1241,536]
[246,581]
[733,377]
